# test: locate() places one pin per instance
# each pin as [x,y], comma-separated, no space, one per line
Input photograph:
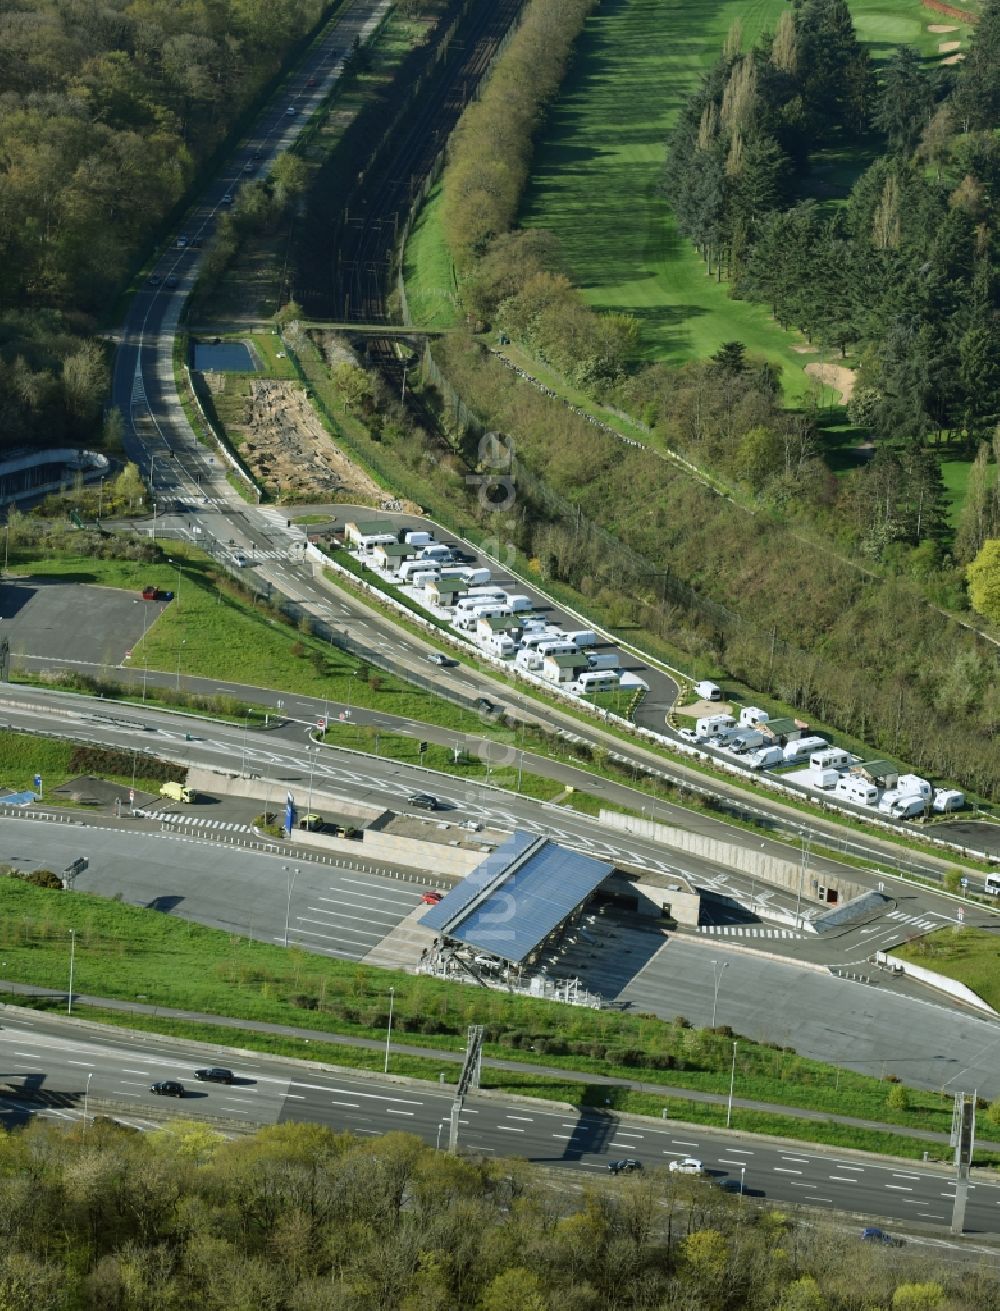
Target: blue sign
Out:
[289,814]
[38,782]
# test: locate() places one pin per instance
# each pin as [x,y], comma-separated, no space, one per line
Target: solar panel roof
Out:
[508,913]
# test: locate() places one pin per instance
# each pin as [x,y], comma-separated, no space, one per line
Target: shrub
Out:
[898,1098]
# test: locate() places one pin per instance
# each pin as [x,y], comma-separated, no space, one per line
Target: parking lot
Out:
[73,621]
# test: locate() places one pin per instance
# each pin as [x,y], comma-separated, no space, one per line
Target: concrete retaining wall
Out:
[273,792]
[760,865]
[684,907]
[411,853]
[943,984]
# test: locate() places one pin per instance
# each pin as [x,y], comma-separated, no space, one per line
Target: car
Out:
[258,155]
[686,1165]
[624,1167]
[250,167]
[441,660]
[167,1088]
[291,111]
[311,823]
[171,280]
[430,898]
[312,81]
[182,241]
[423,801]
[240,561]
[227,199]
[215,1074]
[872,1234]
[155,279]
[688,734]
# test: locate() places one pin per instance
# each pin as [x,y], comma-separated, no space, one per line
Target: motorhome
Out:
[748,739]
[946,799]
[418,537]
[802,747]
[437,551]
[475,577]
[477,597]
[713,726]
[823,778]
[859,790]
[585,637]
[602,659]
[410,567]
[751,716]
[911,785]
[518,604]
[829,758]
[909,807]
[556,646]
[708,691]
[597,681]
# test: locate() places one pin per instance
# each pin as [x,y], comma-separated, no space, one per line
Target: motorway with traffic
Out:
[63,1062]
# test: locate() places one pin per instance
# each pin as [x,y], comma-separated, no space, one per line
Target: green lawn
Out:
[955,473]
[428,270]
[972,956]
[134,953]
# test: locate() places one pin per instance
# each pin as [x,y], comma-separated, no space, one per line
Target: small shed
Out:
[355,529]
[563,668]
[446,591]
[779,732]
[390,555]
[883,773]
[490,625]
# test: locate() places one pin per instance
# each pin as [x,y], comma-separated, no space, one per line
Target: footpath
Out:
[666,1091]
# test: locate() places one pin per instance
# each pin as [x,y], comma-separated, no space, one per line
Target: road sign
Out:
[321,724]
[131,796]
[961,914]
[964,882]
[38,783]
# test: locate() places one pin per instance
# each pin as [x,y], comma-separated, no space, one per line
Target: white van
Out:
[747,739]
[766,757]
[518,604]
[436,552]
[859,790]
[583,638]
[908,807]
[803,746]
[946,799]
[418,537]
[475,577]
[597,681]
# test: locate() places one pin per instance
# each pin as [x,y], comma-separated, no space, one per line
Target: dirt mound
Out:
[835,376]
[291,453]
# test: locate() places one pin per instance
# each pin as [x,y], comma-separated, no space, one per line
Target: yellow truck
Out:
[178,792]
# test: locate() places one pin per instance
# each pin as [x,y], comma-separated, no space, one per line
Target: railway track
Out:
[374,208]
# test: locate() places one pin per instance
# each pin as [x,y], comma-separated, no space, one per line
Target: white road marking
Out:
[389,1110]
[778,1169]
[351,1105]
[509,1128]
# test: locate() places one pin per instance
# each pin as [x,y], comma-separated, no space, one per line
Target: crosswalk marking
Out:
[741,930]
[197,821]
[918,921]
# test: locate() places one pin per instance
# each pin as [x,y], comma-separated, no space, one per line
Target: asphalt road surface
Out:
[65,1063]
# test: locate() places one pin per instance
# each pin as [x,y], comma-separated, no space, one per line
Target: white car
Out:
[686,1165]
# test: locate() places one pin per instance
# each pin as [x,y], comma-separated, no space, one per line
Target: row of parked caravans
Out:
[829,767]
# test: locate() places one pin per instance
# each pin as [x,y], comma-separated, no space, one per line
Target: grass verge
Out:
[966,955]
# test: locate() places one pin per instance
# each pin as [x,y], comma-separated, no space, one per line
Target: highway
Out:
[63,1062]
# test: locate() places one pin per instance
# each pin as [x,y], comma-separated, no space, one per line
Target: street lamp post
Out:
[291,875]
[72,962]
[437,1145]
[388,1032]
[86,1102]
[732,1081]
[180,647]
[743,1175]
[100,502]
[802,879]
[177,589]
[243,762]
[717,973]
[312,764]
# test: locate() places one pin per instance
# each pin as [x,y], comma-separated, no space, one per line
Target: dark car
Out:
[171,280]
[624,1167]
[875,1235]
[154,279]
[312,81]
[423,801]
[167,1088]
[214,1074]
[227,199]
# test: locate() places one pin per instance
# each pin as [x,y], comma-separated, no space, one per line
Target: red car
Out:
[431,898]
[311,82]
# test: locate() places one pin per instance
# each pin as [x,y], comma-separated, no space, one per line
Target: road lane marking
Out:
[389,1110]
[795,1184]
[144,1073]
[88,1064]
[905,1176]
[899,1188]
[779,1169]
[723,1161]
[800,1160]
[841,1179]
[509,1128]
[623,1134]
[681,1143]
[529,1118]
[351,1105]
[295,1097]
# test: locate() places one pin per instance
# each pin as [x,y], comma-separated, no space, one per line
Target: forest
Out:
[107,112]
[299,1218]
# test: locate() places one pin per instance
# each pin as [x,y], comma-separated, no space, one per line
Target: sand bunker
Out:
[805,350]
[945,46]
[953,59]
[940,27]
[834,375]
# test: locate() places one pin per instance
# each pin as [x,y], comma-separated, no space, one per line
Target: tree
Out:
[918,1297]
[517,1289]
[803,1295]
[977,94]
[905,99]
[983,577]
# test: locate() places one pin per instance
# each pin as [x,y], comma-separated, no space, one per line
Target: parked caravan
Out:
[410,567]
[475,577]
[829,758]
[500,644]
[859,790]
[555,646]
[824,778]
[518,604]
[528,658]
[534,639]
[480,596]
[487,610]
[436,551]
[911,785]
[751,716]
[708,691]
[602,659]
[713,726]
[424,576]
[583,638]
[418,537]
[766,757]
[597,681]
[946,799]
[802,747]
[887,801]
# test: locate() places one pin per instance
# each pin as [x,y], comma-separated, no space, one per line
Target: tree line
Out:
[106,113]
[298,1218]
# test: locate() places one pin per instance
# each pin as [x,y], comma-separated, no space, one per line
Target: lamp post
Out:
[388,1032]
[243,760]
[312,764]
[743,1175]
[72,962]
[6,544]
[180,648]
[717,973]
[291,875]
[802,879]
[177,590]
[86,1102]
[100,501]
[732,1081]
[437,1145]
